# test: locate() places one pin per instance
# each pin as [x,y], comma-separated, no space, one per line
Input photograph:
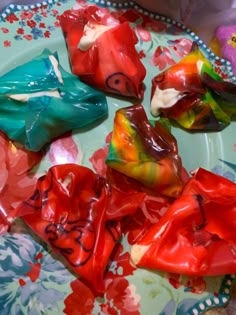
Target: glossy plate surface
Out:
[34,281]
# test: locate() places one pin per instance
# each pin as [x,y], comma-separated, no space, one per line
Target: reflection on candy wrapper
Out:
[193,94]
[146,153]
[99,53]
[78,213]
[40,101]
[17,178]
[194,236]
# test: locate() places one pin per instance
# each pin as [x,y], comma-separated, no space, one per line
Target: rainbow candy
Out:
[191,94]
[144,152]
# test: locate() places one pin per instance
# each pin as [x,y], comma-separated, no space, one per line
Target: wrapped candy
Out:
[145,153]
[184,93]
[100,54]
[40,101]
[17,178]
[78,213]
[196,236]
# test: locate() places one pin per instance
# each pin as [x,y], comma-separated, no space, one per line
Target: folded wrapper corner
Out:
[196,236]
[146,153]
[102,51]
[40,101]
[17,178]
[191,94]
[78,213]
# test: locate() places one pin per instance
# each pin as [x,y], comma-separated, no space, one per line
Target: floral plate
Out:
[32,279]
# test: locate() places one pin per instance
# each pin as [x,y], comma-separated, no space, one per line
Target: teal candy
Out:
[33,76]
[41,119]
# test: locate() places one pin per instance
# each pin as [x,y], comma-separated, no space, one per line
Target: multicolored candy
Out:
[144,152]
[185,93]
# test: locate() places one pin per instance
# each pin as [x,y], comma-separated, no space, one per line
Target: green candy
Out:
[40,101]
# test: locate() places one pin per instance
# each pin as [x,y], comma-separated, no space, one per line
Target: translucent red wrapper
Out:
[78,214]
[108,59]
[196,236]
[17,182]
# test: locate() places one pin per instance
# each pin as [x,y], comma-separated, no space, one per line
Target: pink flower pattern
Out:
[30,24]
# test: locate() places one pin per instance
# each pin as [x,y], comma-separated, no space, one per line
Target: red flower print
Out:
[57,24]
[121,298]
[31,23]
[130,15]
[141,54]
[44,13]
[54,12]
[20,31]
[47,34]
[7,43]
[80,301]
[99,156]
[162,58]
[192,284]
[196,285]
[218,62]
[120,263]
[28,37]
[174,279]
[154,25]
[11,18]
[143,34]
[224,75]
[35,10]
[25,15]
[22,282]
[181,46]
[4,30]
[34,271]
[42,25]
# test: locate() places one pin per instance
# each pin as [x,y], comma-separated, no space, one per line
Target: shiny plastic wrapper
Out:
[100,54]
[196,235]
[190,93]
[40,101]
[17,178]
[78,213]
[146,153]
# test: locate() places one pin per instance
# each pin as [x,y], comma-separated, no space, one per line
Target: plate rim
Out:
[129,4]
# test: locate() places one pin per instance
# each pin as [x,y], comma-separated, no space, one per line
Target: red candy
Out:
[107,60]
[196,236]
[16,182]
[78,214]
